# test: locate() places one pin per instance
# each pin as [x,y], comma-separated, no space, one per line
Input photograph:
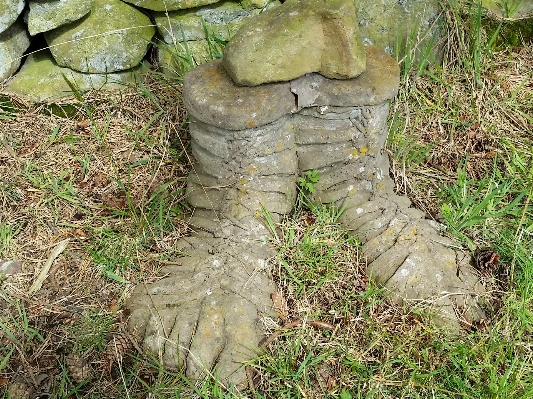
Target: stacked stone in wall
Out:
[97,43]
[91,38]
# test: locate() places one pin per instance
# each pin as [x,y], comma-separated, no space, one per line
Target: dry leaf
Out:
[280,305]
[114,202]
[11,266]
[99,180]
[79,233]
[83,124]
[58,249]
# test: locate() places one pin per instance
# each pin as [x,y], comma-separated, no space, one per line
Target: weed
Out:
[307,182]
[16,329]
[112,254]
[470,203]
[7,233]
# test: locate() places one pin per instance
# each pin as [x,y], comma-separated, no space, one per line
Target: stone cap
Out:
[211,96]
[379,83]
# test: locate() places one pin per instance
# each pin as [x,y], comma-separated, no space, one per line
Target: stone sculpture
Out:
[251,145]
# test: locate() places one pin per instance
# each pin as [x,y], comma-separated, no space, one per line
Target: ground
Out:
[96,188]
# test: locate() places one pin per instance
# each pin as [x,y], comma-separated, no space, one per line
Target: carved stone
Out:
[252,144]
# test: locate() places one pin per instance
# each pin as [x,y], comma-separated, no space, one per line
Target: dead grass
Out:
[451,121]
[96,178]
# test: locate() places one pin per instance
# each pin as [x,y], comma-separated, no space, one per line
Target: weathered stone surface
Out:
[45,15]
[377,84]
[205,316]
[41,79]
[104,41]
[211,97]
[389,24]
[296,38]
[9,12]
[250,4]
[13,43]
[404,252]
[222,19]
[170,5]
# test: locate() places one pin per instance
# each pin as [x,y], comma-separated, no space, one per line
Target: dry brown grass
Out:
[461,122]
[88,173]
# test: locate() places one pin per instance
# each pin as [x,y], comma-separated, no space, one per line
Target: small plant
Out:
[307,182]
[7,233]
[471,203]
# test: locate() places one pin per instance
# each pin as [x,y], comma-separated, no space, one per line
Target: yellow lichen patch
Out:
[363,150]
[353,153]
[250,124]
[251,169]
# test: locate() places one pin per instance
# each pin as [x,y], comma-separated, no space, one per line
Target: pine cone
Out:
[19,390]
[118,346]
[78,368]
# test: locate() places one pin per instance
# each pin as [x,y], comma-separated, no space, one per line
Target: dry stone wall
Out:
[96,43]
[95,37]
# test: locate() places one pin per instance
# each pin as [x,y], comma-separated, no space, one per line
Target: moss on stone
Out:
[113,37]
[41,80]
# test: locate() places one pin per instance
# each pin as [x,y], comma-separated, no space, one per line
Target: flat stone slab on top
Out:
[299,37]
[240,107]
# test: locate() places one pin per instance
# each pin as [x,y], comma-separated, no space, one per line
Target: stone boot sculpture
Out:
[252,144]
[342,134]
[206,313]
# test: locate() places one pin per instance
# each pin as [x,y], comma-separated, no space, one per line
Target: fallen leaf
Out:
[99,180]
[11,266]
[111,201]
[331,383]
[280,305]
[471,134]
[58,249]
[79,233]
[83,124]
[113,306]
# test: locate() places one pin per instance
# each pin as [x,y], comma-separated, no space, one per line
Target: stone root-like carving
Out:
[251,144]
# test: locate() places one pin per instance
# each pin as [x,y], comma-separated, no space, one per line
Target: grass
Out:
[109,174]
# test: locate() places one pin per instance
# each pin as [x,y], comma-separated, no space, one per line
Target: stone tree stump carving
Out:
[251,144]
